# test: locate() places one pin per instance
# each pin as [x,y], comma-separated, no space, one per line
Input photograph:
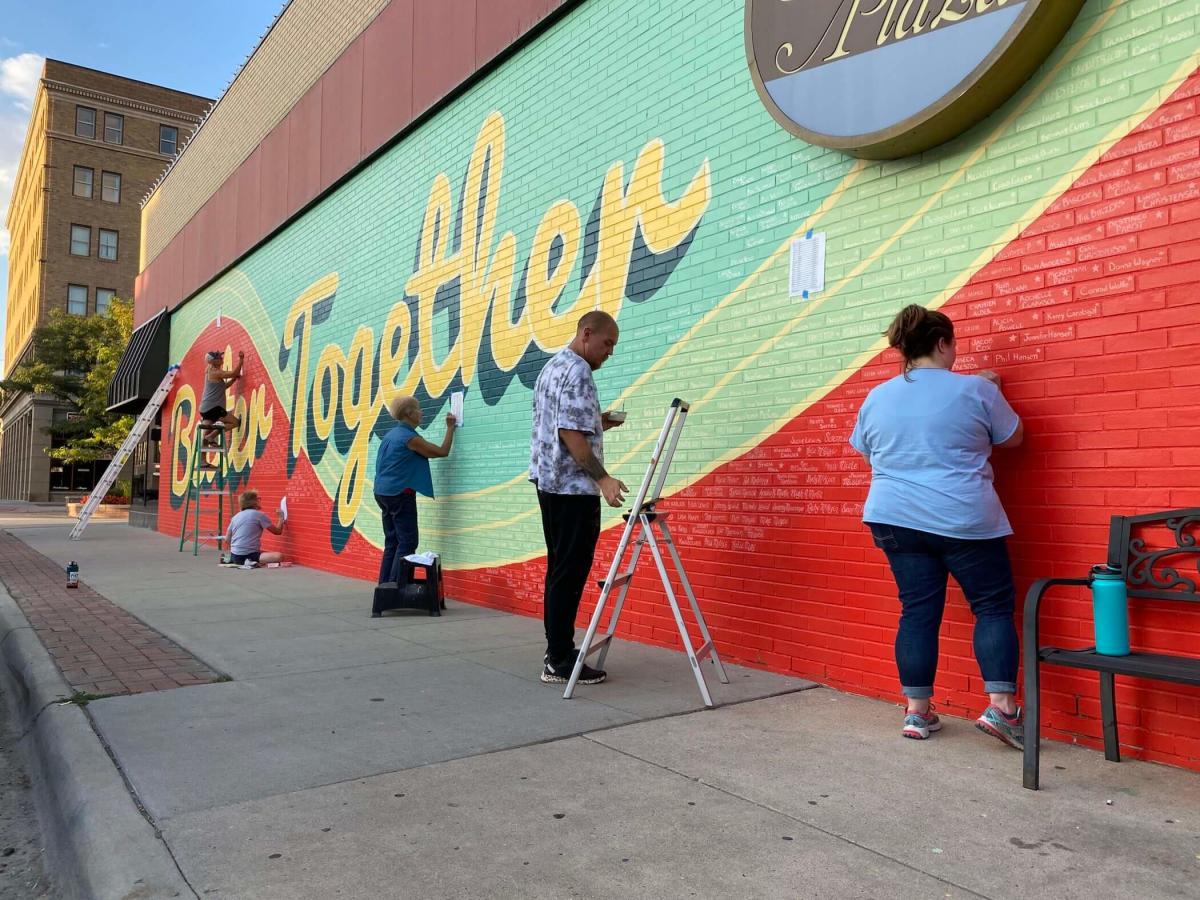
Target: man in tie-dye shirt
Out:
[566,465]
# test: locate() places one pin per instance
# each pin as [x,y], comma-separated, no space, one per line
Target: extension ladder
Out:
[645,517]
[117,463]
[197,487]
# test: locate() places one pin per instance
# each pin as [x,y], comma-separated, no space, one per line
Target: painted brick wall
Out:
[1061,235]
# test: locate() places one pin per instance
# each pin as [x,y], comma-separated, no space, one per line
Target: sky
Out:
[190,46]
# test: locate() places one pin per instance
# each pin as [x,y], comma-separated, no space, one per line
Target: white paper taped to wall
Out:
[807,272]
[456,406]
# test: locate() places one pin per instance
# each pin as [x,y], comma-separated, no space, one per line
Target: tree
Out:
[74,358]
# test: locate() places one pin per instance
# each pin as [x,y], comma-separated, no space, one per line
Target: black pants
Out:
[400,532]
[571,524]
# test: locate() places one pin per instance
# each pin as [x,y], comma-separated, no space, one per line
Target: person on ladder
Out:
[212,401]
[566,465]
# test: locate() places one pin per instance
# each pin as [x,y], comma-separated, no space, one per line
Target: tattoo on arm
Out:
[591,466]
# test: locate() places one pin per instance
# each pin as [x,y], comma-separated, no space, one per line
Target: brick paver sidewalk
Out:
[99,647]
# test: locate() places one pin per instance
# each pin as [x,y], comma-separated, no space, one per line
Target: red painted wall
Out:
[1112,415]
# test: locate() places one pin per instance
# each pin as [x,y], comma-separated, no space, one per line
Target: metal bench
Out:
[1139,563]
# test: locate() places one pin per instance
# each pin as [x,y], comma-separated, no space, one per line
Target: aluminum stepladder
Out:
[197,488]
[143,423]
[644,516]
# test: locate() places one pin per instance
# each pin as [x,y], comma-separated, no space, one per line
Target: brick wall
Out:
[1060,234]
[25,222]
[41,266]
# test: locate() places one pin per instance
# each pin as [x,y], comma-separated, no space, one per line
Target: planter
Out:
[103,511]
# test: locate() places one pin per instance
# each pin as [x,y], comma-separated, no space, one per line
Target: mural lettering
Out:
[501,314]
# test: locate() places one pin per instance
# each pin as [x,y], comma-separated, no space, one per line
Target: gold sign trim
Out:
[1039,28]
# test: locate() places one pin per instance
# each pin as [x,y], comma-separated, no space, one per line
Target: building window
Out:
[83,182]
[85,122]
[77,299]
[108,244]
[110,186]
[103,299]
[114,128]
[168,140]
[81,240]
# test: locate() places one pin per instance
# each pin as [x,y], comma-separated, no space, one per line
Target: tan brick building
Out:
[95,146]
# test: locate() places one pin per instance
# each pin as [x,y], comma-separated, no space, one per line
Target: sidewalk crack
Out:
[45,706]
[137,802]
[33,722]
[779,812]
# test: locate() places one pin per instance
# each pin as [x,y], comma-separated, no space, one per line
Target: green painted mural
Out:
[461,257]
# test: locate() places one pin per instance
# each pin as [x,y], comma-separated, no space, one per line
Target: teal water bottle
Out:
[1110,611]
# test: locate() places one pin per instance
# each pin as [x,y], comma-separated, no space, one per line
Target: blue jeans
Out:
[921,563]
[399,532]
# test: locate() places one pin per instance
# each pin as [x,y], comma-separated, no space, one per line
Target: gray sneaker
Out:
[1010,729]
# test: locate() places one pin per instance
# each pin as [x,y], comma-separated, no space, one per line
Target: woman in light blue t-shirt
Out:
[928,434]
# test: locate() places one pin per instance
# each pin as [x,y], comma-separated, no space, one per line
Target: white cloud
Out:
[19,77]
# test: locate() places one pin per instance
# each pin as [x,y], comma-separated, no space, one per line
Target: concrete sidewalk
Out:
[417,757]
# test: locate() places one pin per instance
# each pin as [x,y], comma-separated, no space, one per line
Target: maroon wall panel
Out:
[387,74]
[304,149]
[273,178]
[246,228]
[149,292]
[341,114]
[160,285]
[443,49]
[413,54]
[143,296]
[190,262]
[170,277]
[205,238]
[223,223]
[499,24]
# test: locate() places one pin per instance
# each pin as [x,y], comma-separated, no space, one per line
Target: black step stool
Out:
[420,587]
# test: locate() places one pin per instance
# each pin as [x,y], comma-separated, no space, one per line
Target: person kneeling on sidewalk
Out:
[245,532]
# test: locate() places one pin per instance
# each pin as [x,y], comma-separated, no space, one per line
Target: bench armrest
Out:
[1033,602]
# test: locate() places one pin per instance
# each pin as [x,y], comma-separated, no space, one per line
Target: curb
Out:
[98,845]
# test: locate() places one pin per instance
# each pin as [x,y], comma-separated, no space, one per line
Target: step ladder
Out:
[197,488]
[140,427]
[645,518]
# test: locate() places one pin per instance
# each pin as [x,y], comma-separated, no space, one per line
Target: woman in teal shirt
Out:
[401,472]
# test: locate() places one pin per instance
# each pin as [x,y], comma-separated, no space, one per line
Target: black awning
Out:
[142,366]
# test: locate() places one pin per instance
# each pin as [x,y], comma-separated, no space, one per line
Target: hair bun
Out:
[917,331]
